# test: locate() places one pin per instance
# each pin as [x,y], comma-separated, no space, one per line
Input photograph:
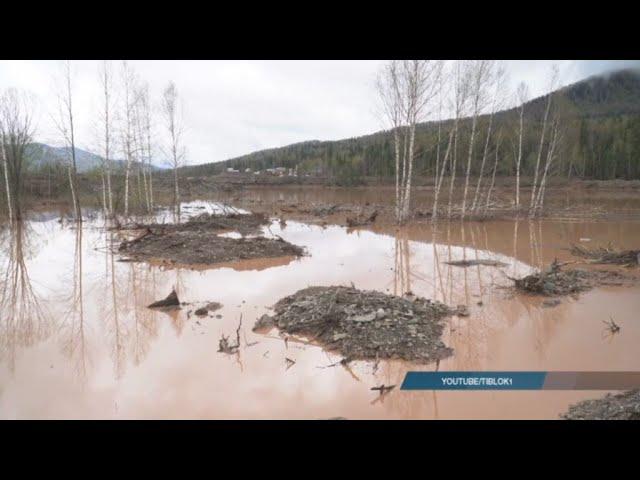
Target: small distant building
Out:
[232,170]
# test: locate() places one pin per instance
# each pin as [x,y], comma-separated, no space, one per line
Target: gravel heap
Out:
[364,325]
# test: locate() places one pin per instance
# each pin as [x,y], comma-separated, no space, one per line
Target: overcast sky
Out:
[236,107]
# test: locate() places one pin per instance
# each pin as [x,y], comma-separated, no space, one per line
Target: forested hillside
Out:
[599,121]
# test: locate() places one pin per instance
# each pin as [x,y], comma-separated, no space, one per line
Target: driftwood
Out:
[384,388]
[223,344]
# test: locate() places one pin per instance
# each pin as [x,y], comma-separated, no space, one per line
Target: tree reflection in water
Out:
[23,320]
[73,339]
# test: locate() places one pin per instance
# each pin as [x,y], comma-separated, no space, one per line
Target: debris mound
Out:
[193,247]
[363,325]
[623,406]
[170,300]
[555,282]
[607,255]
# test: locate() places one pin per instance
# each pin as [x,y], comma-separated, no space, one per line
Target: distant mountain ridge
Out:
[41,155]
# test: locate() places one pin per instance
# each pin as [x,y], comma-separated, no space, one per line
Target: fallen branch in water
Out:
[384,388]
[345,361]
[290,363]
[612,326]
[223,344]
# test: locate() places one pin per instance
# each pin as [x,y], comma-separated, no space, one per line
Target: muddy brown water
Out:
[77,341]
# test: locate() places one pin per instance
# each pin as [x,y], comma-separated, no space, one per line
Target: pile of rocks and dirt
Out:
[555,281]
[623,406]
[363,325]
[607,255]
[198,247]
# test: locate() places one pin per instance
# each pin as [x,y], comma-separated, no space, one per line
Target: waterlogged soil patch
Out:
[554,281]
[623,406]
[363,325]
[198,247]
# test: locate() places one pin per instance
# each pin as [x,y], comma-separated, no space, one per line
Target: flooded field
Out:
[78,341]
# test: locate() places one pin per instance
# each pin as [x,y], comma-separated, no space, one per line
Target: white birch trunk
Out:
[519,160]
[434,214]
[535,175]
[466,181]
[484,159]
[493,176]
[453,171]
[5,164]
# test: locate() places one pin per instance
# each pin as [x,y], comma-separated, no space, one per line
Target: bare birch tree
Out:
[493,175]
[407,89]
[481,72]
[65,125]
[498,80]
[440,166]
[553,143]
[16,132]
[460,105]
[388,85]
[552,86]
[106,83]
[146,142]
[143,141]
[522,94]
[172,116]
[128,127]
[5,168]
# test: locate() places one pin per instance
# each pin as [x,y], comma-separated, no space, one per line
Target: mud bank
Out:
[363,325]
[623,406]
